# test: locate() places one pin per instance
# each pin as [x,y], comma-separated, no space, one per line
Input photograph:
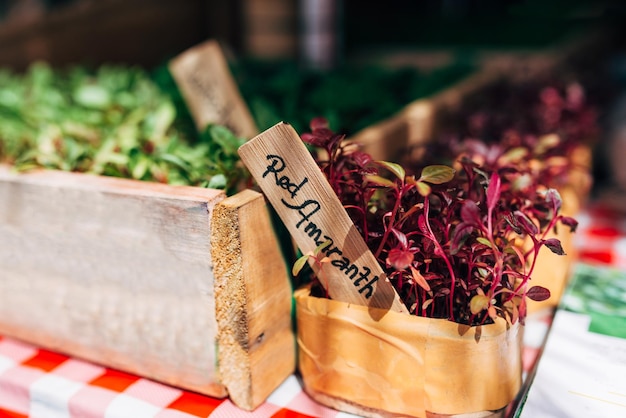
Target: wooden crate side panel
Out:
[114,271]
[422,120]
[419,121]
[253,300]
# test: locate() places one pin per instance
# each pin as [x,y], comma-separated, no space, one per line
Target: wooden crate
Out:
[423,119]
[417,122]
[179,284]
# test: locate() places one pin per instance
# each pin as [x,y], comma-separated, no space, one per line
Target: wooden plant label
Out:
[208,87]
[311,211]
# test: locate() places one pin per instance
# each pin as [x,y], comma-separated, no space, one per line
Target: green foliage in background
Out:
[116,121]
[349,98]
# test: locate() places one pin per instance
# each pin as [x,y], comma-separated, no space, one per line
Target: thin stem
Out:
[394,212]
[445,259]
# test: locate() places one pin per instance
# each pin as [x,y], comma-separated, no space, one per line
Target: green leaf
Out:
[547,142]
[218,181]
[381,181]
[141,168]
[175,161]
[225,138]
[396,169]
[92,96]
[161,120]
[479,303]
[484,241]
[423,188]
[299,264]
[322,246]
[437,174]
[514,155]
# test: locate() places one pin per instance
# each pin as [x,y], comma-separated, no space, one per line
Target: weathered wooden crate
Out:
[179,284]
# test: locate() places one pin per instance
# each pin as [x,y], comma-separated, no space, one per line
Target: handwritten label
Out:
[210,91]
[305,201]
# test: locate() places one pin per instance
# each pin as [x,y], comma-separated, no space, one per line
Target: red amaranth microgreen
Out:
[452,241]
[540,124]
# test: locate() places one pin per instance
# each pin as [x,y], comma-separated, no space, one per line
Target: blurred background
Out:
[443,40]
[318,32]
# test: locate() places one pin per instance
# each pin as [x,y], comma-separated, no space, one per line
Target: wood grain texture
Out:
[204,79]
[256,344]
[311,211]
[115,271]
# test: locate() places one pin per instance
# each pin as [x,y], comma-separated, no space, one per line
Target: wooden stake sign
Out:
[205,81]
[311,211]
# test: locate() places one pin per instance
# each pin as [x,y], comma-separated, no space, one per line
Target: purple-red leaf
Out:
[493,191]
[421,223]
[554,199]
[399,259]
[525,222]
[554,245]
[318,123]
[571,222]
[470,213]
[513,223]
[361,158]
[461,232]
[321,135]
[538,293]
[401,237]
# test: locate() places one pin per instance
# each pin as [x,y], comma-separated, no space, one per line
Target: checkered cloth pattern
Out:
[601,237]
[43,384]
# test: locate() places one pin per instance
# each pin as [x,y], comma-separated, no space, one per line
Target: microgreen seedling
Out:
[450,240]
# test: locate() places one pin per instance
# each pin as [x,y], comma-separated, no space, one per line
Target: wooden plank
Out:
[114,271]
[205,81]
[253,300]
[311,211]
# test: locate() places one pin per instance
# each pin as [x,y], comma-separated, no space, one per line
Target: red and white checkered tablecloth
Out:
[39,383]
[43,384]
[601,237]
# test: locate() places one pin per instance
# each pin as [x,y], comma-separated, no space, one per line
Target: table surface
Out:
[39,383]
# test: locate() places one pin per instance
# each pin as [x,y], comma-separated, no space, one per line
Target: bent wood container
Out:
[386,364]
[179,284]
